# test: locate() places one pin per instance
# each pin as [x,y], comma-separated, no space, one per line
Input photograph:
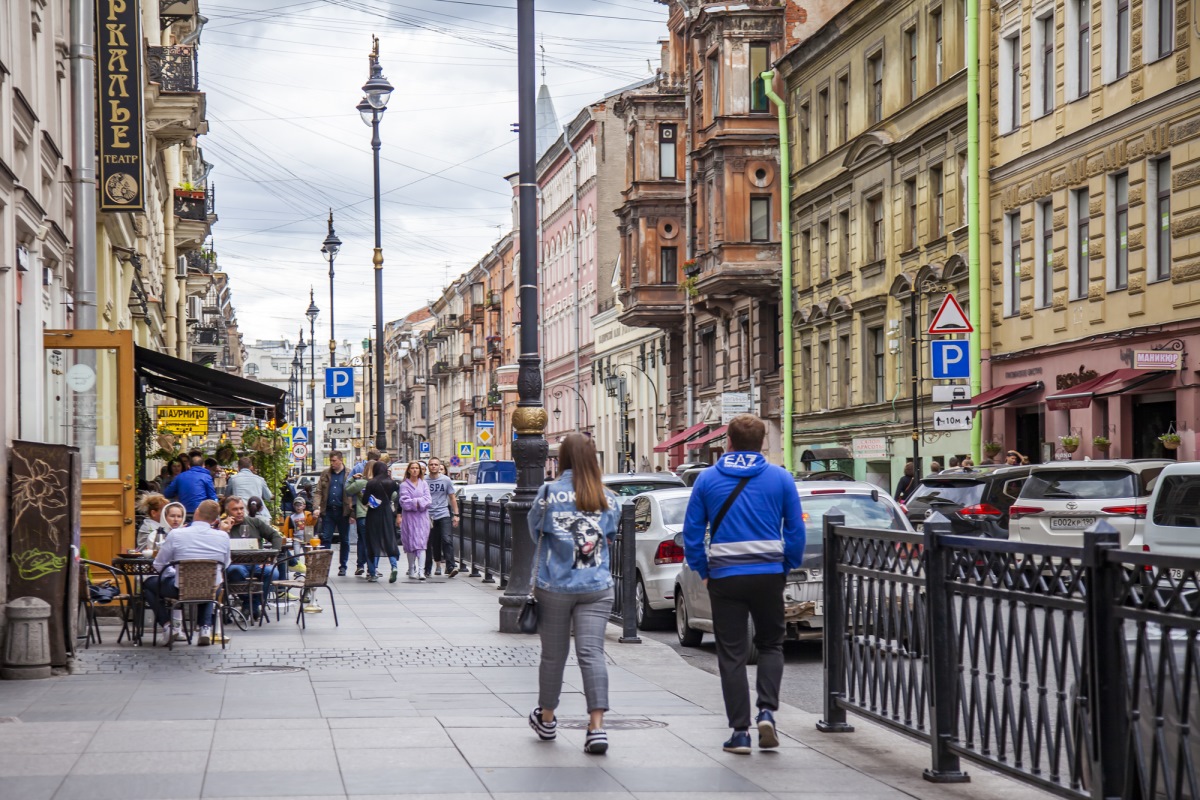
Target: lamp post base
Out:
[510,612]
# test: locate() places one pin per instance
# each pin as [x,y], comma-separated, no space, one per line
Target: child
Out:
[299,522]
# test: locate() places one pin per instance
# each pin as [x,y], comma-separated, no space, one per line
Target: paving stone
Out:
[554,779]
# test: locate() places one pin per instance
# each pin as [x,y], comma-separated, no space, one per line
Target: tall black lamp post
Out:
[529,418]
[366,343]
[376,93]
[311,313]
[299,363]
[616,387]
[329,249]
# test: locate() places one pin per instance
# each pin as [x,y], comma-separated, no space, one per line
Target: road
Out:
[802,677]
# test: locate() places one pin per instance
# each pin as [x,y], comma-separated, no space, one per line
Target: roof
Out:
[420,315]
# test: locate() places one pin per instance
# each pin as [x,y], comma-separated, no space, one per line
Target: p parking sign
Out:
[339,382]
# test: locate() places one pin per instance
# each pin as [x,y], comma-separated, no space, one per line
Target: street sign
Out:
[732,404]
[483,454]
[340,430]
[465,449]
[300,434]
[299,451]
[959,393]
[425,449]
[339,382]
[485,431]
[184,420]
[335,410]
[952,420]
[949,318]
[455,461]
[950,359]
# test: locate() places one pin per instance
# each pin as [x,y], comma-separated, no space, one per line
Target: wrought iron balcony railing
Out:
[173,68]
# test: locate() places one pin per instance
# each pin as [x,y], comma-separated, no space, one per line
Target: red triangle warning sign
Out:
[949,318]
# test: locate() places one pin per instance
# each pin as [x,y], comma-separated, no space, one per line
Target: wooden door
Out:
[90,405]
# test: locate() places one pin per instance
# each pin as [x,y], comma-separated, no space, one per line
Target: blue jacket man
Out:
[192,487]
[749,510]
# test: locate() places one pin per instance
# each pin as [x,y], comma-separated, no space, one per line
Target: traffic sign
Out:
[425,449]
[339,382]
[466,449]
[300,434]
[952,420]
[485,431]
[484,454]
[335,410]
[299,451]
[950,359]
[455,461]
[949,318]
[340,430]
[958,393]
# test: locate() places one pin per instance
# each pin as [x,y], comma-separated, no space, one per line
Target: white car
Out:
[657,517]
[864,506]
[1172,524]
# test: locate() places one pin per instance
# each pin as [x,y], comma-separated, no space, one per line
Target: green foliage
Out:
[143,433]
[268,451]
[688,285]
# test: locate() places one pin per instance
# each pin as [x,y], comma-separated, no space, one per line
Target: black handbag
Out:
[527,620]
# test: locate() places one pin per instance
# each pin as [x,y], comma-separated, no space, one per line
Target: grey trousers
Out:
[589,613]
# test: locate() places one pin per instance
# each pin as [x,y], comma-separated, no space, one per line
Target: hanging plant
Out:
[225,454]
[690,267]
[992,448]
[143,433]
[1170,440]
[268,452]
[1069,443]
[688,285]
[1101,443]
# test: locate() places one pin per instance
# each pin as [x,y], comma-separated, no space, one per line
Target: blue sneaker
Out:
[768,738]
[739,743]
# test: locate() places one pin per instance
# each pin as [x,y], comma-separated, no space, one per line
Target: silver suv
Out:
[1062,499]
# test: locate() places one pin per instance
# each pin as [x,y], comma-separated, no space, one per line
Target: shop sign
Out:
[732,404]
[870,447]
[183,420]
[1157,359]
[119,101]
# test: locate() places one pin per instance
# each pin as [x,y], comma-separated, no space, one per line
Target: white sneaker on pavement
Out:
[205,636]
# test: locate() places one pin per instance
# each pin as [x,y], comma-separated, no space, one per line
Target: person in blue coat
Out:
[750,512]
[192,486]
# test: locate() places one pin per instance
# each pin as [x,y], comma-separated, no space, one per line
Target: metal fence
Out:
[1072,669]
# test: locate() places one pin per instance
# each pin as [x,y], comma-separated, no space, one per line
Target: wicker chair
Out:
[194,580]
[124,598]
[252,586]
[317,564]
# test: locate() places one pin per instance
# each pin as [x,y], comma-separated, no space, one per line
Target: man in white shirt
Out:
[198,541]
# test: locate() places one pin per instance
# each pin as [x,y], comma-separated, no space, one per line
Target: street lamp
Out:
[299,362]
[311,313]
[376,93]
[330,248]
[615,386]
[366,345]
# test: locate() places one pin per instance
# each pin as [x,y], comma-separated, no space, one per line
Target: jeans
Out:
[241,573]
[373,564]
[334,520]
[735,601]
[441,544]
[360,542]
[157,588]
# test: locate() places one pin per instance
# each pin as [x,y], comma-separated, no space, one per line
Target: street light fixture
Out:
[330,248]
[311,313]
[300,348]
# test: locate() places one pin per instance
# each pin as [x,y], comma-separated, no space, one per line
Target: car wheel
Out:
[648,619]
[688,636]
[751,647]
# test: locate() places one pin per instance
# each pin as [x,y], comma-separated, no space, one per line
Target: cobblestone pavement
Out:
[415,694]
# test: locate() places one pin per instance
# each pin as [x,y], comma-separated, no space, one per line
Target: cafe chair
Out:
[252,587]
[317,563]
[194,580]
[113,589]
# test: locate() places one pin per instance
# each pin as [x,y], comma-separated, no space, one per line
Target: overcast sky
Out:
[282,80]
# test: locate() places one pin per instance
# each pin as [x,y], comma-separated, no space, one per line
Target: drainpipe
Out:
[973,156]
[83,159]
[785,212]
[983,225]
[575,257]
[689,223]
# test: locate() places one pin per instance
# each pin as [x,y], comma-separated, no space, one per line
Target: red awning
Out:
[1115,382]
[679,438]
[715,433]
[998,396]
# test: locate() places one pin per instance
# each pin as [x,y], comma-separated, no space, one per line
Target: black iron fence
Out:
[173,68]
[485,548]
[1073,669]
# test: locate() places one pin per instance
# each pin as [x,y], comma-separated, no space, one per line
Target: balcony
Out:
[441,368]
[479,403]
[175,105]
[195,214]
[465,361]
[734,276]
[492,302]
[652,305]
[475,314]
[495,348]
[465,408]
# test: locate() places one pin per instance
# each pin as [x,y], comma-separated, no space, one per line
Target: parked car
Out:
[657,517]
[1060,500]
[628,485]
[685,466]
[482,491]
[491,472]
[689,475]
[863,504]
[975,501]
[1172,524]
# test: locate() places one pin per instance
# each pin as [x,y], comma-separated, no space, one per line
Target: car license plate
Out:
[1071,523]
[1176,574]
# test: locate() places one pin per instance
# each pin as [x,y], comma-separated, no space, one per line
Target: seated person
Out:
[239,525]
[199,540]
[151,504]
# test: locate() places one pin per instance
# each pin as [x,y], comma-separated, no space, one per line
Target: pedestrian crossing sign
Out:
[466,450]
[484,454]
[300,434]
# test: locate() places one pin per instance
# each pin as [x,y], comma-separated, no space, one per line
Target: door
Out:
[90,405]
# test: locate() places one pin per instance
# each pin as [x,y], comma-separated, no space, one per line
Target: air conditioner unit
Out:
[195,308]
[181,267]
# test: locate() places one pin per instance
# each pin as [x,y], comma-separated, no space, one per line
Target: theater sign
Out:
[119,105]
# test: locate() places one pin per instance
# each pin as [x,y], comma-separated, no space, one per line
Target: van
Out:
[1172,524]
[492,472]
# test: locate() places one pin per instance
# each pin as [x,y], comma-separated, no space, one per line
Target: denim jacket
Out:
[574,550]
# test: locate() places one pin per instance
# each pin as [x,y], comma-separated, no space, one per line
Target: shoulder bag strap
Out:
[728,503]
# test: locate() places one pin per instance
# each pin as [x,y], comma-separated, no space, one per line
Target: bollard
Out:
[27,650]
[628,537]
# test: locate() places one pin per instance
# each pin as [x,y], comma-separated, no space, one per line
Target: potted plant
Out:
[190,190]
[1101,443]
[1070,443]
[1170,440]
[690,267]
[991,448]
[688,286]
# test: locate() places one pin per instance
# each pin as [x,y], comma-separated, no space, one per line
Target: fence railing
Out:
[485,548]
[1072,669]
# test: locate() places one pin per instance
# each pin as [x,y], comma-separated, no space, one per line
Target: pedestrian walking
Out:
[741,505]
[354,489]
[906,484]
[380,521]
[192,487]
[414,521]
[573,521]
[443,516]
[333,508]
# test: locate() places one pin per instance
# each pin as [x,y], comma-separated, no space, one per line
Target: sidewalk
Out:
[415,694]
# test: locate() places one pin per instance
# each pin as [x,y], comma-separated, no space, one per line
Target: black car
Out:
[976,501]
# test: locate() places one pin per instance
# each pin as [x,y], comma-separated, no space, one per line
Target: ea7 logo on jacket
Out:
[741,460]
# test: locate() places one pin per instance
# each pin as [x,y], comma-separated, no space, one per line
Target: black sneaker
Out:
[453,571]
[358,571]
[546,731]
[768,737]
[341,572]
[596,742]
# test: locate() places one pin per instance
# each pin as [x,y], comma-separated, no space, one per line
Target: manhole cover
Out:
[257,669]
[614,724]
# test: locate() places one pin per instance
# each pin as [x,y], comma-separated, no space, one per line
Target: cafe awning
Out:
[1115,382]
[679,438]
[715,433]
[998,396]
[196,384]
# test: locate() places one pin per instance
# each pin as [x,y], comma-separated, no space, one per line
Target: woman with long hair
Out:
[414,519]
[573,522]
[379,529]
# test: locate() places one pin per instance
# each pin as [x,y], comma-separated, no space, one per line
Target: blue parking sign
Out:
[950,359]
[339,382]
[424,448]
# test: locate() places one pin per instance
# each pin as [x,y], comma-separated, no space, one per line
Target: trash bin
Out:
[27,648]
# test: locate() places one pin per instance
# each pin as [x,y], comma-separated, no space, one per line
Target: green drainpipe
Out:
[973,217]
[785,215]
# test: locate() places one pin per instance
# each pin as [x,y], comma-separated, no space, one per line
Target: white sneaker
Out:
[420,576]
[177,633]
[165,633]
[205,636]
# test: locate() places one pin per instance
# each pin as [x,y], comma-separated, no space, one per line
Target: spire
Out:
[547,121]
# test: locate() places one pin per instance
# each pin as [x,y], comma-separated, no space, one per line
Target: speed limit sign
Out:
[299,451]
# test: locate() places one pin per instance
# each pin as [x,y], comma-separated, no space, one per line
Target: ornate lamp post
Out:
[329,249]
[299,363]
[616,387]
[311,313]
[366,344]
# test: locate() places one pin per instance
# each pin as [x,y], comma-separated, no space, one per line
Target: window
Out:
[1122,38]
[935,24]
[966,23]
[823,380]
[1044,254]
[708,357]
[845,378]
[1159,28]
[666,151]
[804,385]
[937,202]
[805,258]
[744,347]
[714,86]
[843,120]
[759,58]
[823,120]
[844,241]
[804,124]
[1114,39]
[1043,65]
[760,219]
[875,370]
[668,261]
[1158,238]
[772,321]
[424,406]
[1080,233]
[1079,49]
[910,45]
[875,87]
[824,230]
[875,228]
[1012,267]
[1117,237]
[1010,83]
[910,213]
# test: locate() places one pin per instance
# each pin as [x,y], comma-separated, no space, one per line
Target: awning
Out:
[998,396]
[199,385]
[825,454]
[1115,382]
[715,433]
[679,438]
